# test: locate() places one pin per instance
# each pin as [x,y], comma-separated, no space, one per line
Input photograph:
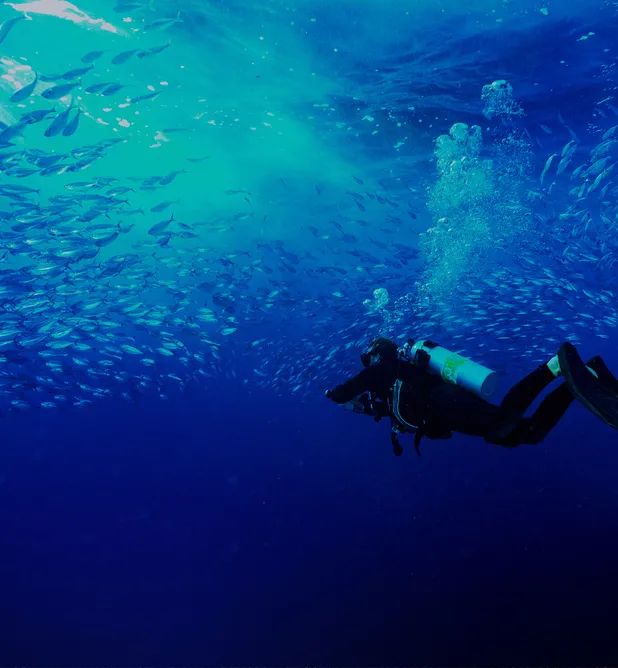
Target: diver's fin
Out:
[603,373]
[599,396]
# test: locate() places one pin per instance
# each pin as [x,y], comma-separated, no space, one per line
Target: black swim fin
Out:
[598,393]
[603,373]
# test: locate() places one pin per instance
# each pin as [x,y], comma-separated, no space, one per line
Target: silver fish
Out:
[59,123]
[59,91]
[25,92]
[7,26]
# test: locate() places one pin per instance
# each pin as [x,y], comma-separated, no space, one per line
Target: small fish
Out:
[59,123]
[71,127]
[111,89]
[15,187]
[240,216]
[598,166]
[131,5]
[609,134]
[75,74]
[357,179]
[7,26]
[36,116]
[57,92]
[50,78]
[162,24]
[569,149]
[122,58]
[563,164]
[163,205]
[21,172]
[356,196]
[115,192]
[91,56]
[97,88]
[147,96]
[54,170]
[600,177]
[88,216]
[166,180]
[105,241]
[206,157]
[160,228]
[153,50]
[547,166]
[165,239]
[21,94]
[11,132]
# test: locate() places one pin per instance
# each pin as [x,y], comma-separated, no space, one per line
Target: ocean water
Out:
[208,209]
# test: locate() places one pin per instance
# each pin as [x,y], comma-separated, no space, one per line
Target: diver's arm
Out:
[352,388]
[360,404]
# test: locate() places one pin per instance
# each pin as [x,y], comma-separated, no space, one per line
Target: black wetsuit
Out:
[442,408]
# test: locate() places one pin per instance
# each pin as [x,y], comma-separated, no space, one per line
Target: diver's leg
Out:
[524,392]
[535,428]
[515,403]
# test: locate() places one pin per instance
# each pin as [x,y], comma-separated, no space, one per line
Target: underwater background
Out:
[208,208]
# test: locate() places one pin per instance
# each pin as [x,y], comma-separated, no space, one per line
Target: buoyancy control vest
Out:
[449,366]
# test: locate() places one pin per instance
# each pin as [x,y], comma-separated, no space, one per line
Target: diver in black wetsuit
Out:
[426,405]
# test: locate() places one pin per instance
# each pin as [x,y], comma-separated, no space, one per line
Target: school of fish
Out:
[108,290]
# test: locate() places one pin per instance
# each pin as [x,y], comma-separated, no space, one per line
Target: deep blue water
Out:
[206,505]
[145,536]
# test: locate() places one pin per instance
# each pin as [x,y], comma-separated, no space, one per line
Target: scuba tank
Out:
[451,367]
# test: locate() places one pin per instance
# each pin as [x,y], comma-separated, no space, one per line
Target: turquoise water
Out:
[208,209]
[208,173]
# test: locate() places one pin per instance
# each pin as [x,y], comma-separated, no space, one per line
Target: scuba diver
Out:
[426,390]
